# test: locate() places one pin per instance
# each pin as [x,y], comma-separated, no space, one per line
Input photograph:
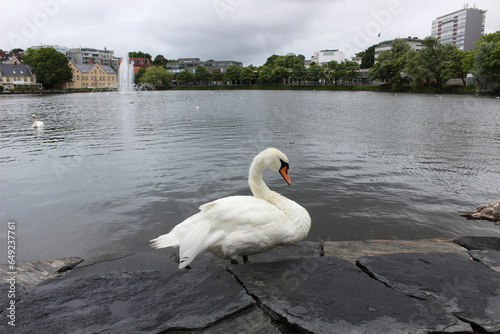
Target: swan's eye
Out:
[284,164]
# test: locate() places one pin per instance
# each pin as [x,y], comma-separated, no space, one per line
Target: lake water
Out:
[109,172]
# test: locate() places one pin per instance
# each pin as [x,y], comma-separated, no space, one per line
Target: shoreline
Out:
[433,285]
[336,88]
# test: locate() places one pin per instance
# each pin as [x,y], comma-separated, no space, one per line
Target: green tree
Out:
[315,73]
[217,75]
[266,74]
[437,60]
[51,67]
[487,63]
[391,64]
[280,74]
[287,61]
[458,67]
[184,78]
[139,54]
[233,74]
[139,74]
[158,76]
[415,68]
[159,61]
[333,72]
[351,70]
[202,75]
[247,76]
[367,57]
[298,73]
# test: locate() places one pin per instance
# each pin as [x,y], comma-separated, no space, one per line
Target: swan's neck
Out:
[257,185]
[261,190]
[301,221]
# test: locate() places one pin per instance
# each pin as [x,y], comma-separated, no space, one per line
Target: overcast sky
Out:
[241,30]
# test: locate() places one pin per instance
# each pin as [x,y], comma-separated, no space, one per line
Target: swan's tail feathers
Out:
[166,240]
[193,244]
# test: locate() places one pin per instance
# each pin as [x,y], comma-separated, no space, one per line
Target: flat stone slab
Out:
[29,274]
[331,295]
[489,258]
[449,284]
[353,250]
[479,243]
[131,302]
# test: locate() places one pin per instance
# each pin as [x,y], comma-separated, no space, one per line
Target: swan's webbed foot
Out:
[175,258]
[233,261]
[245,259]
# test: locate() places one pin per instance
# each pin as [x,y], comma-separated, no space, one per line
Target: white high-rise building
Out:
[461,28]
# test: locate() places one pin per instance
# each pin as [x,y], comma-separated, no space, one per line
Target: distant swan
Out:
[242,225]
[490,211]
[37,124]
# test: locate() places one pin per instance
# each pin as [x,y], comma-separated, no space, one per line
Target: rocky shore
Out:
[377,286]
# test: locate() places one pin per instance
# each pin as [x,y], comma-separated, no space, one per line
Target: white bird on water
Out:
[37,124]
[242,225]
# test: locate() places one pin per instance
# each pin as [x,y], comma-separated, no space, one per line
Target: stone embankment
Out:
[427,286]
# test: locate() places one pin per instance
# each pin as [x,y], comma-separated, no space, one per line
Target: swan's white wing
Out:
[238,212]
[247,225]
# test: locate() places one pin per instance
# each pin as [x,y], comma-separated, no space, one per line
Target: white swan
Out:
[37,124]
[242,225]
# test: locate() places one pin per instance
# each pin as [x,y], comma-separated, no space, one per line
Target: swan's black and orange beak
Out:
[284,172]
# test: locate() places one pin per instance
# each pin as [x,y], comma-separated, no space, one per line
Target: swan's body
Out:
[490,211]
[242,225]
[37,124]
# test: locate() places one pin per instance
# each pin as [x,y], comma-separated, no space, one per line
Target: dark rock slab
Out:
[489,258]
[480,243]
[247,322]
[299,250]
[131,302]
[331,295]
[448,283]
[28,274]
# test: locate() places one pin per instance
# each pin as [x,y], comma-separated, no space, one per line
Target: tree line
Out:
[403,67]
[278,70]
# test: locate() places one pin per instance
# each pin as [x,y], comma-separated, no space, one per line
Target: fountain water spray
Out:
[126,76]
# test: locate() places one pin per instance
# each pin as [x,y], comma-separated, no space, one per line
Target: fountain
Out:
[126,76]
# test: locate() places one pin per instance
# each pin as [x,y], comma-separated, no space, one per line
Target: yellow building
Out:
[92,76]
[17,76]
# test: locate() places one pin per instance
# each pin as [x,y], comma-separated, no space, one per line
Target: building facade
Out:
[88,56]
[140,63]
[414,42]
[461,28]
[326,56]
[190,64]
[17,76]
[92,76]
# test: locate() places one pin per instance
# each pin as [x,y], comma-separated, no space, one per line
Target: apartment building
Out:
[92,76]
[17,76]
[461,28]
